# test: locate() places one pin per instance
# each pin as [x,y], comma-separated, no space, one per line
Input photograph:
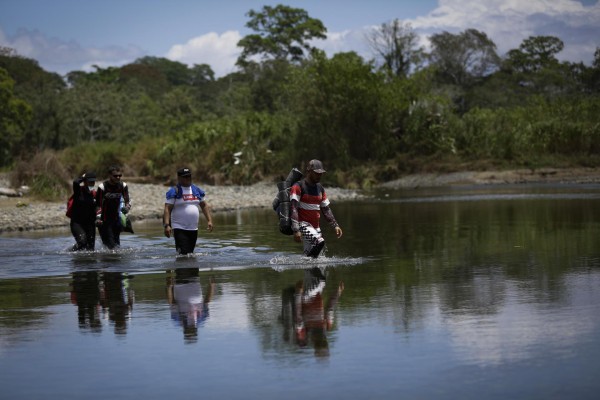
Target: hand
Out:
[98,223]
[168,231]
[297,237]
[209,226]
[338,232]
[126,209]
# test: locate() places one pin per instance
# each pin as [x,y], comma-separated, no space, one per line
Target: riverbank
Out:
[24,214]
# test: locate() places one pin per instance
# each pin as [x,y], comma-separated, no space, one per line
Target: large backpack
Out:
[281,203]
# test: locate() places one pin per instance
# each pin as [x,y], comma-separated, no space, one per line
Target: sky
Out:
[69,35]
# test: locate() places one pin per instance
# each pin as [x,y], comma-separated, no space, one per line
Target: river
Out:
[466,292]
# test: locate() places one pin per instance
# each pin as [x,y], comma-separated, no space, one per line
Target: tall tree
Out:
[396,44]
[535,53]
[464,58]
[282,32]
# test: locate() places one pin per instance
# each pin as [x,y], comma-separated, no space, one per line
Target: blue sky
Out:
[67,35]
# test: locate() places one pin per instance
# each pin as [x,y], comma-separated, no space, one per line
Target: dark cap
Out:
[184,172]
[90,176]
[316,166]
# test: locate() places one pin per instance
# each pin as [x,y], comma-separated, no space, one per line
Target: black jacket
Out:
[84,204]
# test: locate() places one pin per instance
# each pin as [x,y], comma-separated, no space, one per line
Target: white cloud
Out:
[218,51]
[506,22]
[509,22]
[62,57]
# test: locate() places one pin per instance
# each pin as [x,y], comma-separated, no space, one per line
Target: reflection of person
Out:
[117,298]
[108,202]
[85,294]
[83,212]
[189,307]
[181,213]
[308,199]
[304,307]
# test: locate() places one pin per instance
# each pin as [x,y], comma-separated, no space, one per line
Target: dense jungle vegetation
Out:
[457,105]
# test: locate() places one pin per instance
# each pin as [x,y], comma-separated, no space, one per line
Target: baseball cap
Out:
[316,165]
[184,172]
[90,176]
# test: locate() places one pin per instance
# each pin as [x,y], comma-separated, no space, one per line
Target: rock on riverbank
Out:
[21,214]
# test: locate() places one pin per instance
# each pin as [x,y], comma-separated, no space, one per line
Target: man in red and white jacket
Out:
[308,199]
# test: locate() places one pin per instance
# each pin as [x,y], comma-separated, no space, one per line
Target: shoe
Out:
[316,249]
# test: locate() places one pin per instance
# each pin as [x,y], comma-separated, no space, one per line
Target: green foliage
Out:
[290,103]
[282,33]
[14,115]
[45,174]
[97,157]
[463,58]
[338,102]
[239,149]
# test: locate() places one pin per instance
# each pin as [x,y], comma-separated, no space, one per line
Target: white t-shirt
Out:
[186,212]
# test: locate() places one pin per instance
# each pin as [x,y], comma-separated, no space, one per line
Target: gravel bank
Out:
[22,214]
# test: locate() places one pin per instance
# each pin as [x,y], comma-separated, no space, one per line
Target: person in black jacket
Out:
[108,206]
[83,212]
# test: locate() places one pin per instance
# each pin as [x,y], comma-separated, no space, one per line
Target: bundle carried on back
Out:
[281,203]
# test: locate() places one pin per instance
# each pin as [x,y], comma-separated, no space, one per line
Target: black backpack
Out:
[281,202]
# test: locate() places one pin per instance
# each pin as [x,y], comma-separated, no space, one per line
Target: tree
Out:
[282,33]
[395,44]
[338,105]
[465,58]
[14,117]
[176,73]
[535,53]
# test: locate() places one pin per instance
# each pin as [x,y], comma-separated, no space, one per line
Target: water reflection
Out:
[189,306]
[110,292]
[307,311]
[85,294]
[117,298]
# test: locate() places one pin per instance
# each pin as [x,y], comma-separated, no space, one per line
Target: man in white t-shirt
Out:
[182,214]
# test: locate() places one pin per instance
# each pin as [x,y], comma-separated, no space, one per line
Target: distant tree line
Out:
[407,109]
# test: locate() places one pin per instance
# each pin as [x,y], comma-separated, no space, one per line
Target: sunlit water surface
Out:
[464,293]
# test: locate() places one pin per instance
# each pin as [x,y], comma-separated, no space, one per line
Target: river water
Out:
[470,292]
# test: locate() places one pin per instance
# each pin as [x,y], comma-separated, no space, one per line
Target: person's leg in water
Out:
[185,241]
[312,239]
[90,231]
[80,235]
[109,233]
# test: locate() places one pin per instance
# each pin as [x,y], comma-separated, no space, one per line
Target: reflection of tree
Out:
[307,313]
[117,298]
[85,294]
[189,307]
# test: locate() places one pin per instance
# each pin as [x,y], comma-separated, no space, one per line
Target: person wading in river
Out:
[181,213]
[108,202]
[83,212]
[308,199]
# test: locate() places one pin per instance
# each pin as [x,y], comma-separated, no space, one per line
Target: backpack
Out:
[281,203]
[69,207]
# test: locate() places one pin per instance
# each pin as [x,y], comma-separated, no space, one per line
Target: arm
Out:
[99,205]
[328,214]
[167,219]
[126,199]
[206,211]
[295,224]
[77,186]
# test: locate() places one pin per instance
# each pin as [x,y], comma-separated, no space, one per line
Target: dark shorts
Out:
[185,241]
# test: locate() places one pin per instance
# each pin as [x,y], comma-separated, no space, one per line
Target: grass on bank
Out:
[49,173]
